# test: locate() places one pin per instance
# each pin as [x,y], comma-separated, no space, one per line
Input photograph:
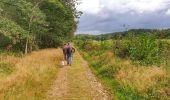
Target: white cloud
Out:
[142,6]
[168,12]
[92,6]
[122,6]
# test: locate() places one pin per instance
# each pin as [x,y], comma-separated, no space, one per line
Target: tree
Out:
[47,22]
[61,23]
[11,31]
[27,15]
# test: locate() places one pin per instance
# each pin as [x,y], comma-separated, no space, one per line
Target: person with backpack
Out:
[70,51]
[65,55]
[65,51]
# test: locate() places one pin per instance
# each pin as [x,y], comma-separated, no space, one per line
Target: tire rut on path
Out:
[77,82]
[60,87]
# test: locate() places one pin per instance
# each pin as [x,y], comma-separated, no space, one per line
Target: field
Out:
[28,77]
[125,75]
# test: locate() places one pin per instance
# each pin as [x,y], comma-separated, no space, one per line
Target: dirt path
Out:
[77,83]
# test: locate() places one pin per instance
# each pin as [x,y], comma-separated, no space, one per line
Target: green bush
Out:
[120,49]
[146,49]
[4,41]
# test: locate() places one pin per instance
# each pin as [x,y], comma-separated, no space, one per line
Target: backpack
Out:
[70,50]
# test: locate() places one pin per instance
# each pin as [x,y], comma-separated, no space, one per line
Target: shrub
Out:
[146,49]
[121,49]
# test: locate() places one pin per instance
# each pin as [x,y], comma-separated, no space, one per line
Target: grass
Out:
[78,82]
[32,77]
[117,91]
[128,80]
[11,53]
[6,69]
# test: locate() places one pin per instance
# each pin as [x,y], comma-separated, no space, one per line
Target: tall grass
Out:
[6,68]
[126,79]
[32,76]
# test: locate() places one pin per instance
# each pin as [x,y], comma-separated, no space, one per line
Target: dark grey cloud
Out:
[109,21]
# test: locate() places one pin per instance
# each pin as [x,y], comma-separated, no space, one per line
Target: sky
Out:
[104,16]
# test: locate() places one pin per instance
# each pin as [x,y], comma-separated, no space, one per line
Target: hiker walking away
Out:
[70,51]
[65,52]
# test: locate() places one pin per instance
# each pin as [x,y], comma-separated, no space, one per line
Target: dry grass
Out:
[140,78]
[146,80]
[32,76]
[136,77]
[128,79]
[107,57]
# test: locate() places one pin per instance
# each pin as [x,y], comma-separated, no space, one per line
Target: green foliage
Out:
[39,23]
[146,49]
[107,60]
[16,53]
[120,49]
[4,41]
[11,34]
[6,68]
[101,64]
[11,29]
[108,68]
[61,23]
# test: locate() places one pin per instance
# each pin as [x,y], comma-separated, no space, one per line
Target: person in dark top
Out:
[65,51]
[70,51]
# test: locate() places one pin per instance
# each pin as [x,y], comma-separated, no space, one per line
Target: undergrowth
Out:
[126,77]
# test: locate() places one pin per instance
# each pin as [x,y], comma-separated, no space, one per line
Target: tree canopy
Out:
[38,23]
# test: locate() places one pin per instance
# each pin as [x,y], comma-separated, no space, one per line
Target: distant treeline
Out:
[160,34]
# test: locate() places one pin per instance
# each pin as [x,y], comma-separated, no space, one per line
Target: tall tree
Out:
[27,15]
[47,22]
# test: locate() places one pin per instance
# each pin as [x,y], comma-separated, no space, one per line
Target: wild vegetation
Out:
[133,65]
[133,68]
[26,25]
[28,77]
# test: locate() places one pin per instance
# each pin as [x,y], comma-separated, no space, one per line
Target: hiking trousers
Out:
[69,60]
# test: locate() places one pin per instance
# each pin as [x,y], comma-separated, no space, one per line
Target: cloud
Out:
[168,12]
[139,6]
[90,7]
[122,6]
[103,16]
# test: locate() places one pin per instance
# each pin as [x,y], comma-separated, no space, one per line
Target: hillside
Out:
[161,34]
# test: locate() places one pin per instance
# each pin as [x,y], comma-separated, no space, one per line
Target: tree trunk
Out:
[29,28]
[26,46]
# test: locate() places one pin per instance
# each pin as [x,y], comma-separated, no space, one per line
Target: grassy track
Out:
[38,76]
[76,82]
